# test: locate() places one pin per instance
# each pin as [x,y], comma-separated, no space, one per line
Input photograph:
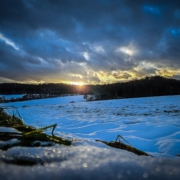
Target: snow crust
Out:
[85,162]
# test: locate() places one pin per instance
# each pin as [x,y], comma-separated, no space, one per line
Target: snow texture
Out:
[150,124]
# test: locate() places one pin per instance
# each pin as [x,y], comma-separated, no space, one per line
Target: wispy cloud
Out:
[8,42]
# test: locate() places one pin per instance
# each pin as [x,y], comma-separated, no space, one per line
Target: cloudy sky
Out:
[88,41]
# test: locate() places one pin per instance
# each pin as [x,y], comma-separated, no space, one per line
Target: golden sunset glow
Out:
[77,83]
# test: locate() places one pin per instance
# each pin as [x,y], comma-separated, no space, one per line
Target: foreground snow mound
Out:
[84,161]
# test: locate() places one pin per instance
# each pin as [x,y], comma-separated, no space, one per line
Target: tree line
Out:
[149,86]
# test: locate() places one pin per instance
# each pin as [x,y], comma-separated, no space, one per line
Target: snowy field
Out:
[150,124]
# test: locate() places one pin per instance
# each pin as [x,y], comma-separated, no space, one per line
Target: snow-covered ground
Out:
[12,96]
[151,124]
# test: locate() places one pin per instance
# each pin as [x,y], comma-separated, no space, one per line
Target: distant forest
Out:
[149,86]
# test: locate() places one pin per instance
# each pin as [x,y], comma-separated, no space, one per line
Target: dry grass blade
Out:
[120,145]
[39,135]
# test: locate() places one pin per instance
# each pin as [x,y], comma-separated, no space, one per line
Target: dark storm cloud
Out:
[53,40]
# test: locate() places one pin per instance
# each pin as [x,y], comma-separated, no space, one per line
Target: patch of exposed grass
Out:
[120,145]
[28,134]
